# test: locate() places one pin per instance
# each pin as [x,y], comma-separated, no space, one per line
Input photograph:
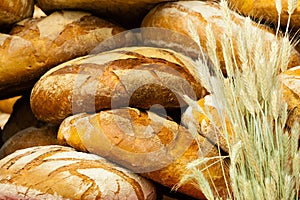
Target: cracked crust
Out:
[57,172]
[33,47]
[134,76]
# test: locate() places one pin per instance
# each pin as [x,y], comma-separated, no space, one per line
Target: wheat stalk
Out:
[265,158]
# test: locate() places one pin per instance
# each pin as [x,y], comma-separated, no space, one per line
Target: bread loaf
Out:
[143,142]
[36,45]
[266,10]
[180,16]
[56,172]
[291,94]
[213,131]
[30,137]
[133,76]
[12,11]
[128,13]
[21,118]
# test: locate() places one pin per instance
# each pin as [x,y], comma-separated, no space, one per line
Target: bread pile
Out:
[115,96]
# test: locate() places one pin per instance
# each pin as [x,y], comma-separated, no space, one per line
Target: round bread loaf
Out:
[56,172]
[181,16]
[36,45]
[30,137]
[144,142]
[12,11]
[266,10]
[128,13]
[134,76]
[291,94]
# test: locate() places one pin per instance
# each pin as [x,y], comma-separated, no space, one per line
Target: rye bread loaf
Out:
[134,76]
[266,10]
[144,142]
[182,15]
[290,80]
[12,11]
[57,172]
[128,13]
[36,45]
[30,137]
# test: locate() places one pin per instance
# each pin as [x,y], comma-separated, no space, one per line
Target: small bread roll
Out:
[36,45]
[134,76]
[291,94]
[180,16]
[128,13]
[146,143]
[57,172]
[266,10]
[12,11]
[30,137]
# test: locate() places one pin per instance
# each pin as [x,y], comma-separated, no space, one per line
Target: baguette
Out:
[57,172]
[143,142]
[134,76]
[180,16]
[128,13]
[266,10]
[36,45]
[12,11]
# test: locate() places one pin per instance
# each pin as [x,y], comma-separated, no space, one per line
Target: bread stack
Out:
[116,96]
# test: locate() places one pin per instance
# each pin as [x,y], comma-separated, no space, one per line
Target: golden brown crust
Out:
[59,172]
[174,16]
[12,11]
[266,10]
[33,47]
[143,142]
[133,76]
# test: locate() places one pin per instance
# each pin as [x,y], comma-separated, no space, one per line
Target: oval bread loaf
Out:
[133,76]
[266,10]
[128,13]
[12,11]
[144,142]
[183,15]
[36,45]
[57,172]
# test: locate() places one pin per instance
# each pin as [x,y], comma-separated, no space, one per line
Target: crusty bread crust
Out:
[36,45]
[60,172]
[177,15]
[133,76]
[157,148]
[12,11]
